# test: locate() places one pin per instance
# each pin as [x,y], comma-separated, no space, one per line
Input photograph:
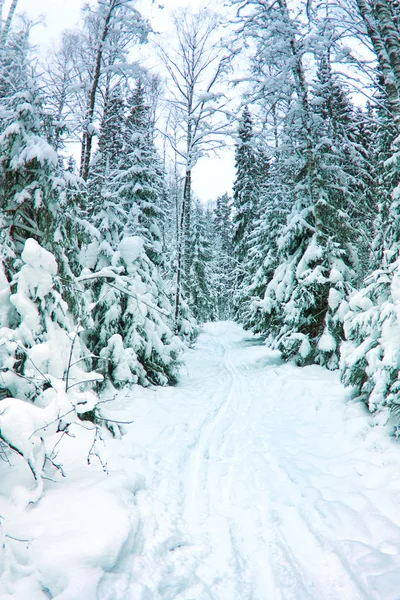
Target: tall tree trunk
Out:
[186,225]
[181,246]
[87,137]
[1,17]
[390,37]
[375,35]
[7,24]
[302,91]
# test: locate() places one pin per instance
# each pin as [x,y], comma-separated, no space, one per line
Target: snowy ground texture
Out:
[250,480]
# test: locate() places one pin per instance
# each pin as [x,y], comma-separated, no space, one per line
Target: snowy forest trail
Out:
[249,480]
[265,485]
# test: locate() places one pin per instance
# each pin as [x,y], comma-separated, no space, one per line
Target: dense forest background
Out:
[110,262]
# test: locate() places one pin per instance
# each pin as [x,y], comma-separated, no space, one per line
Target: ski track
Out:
[265,486]
[249,480]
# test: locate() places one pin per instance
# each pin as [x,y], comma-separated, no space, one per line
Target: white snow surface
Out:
[249,480]
[130,248]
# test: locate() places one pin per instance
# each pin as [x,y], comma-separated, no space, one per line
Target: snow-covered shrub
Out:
[370,358]
[186,326]
[132,330]
[306,302]
[37,332]
[42,358]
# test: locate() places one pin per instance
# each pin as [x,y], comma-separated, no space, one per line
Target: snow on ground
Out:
[250,480]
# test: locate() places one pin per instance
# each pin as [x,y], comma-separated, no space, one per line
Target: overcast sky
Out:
[211,177]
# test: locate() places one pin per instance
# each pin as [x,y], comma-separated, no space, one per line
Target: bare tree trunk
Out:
[188,212]
[178,286]
[1,18]
[176,180]
[275,126]
[302,91]
[87,138]
[7,24]
[390,37]
[181,245]
[374,33]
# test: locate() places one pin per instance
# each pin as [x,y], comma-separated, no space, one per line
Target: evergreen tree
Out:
[38,329]
[263,256]
[131,313]
[306,299]
[141,177]
[38,199]
[224,264]
[43,362]
[202,293]
[252,169]
[370,362]
[245,192]
[133,324]
[14,60]
[105,210]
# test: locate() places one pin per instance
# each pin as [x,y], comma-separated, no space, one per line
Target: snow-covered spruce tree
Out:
[252,167]
[305,301]
[141,177]
[263,255]
[370,357]
[14,49]
[202,299]
[350,161]
[38,329]
[41,359]
[374,146]
[272,82]
[378,136]
[38,201]
[132,331]
[37,198]
[104,203]
[141,180]
[245,193]
[224,263]
[132,314]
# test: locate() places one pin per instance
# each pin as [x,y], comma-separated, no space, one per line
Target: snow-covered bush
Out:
[305,304]
[132,330]
[43,361]
[38,329]
[370,358]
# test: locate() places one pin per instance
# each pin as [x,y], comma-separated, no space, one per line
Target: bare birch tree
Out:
[196,65]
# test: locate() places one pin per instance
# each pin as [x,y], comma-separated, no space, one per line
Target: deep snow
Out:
[249,480]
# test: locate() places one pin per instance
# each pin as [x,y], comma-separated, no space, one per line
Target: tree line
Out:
[110,262]
[105,260]
[316,235]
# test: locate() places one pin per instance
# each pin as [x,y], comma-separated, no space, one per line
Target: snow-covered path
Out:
[250,480]
[265,485]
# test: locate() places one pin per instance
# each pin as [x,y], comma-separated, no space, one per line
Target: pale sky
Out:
[212,177]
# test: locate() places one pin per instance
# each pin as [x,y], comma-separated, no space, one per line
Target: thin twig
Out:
[112,421]
[36,367]
[51,422]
